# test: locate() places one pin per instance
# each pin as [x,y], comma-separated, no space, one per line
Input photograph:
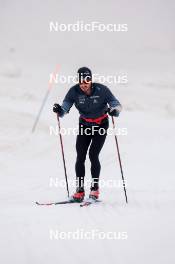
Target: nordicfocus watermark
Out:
[96,77]
[81,26]
[81,182]
[80,130]
[81,234]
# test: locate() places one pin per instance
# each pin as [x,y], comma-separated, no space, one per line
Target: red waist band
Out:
[95,120]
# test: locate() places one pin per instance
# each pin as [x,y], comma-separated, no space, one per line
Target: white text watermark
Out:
[87,131]
[81,26]
[102,183]
[96,77]
[81,234]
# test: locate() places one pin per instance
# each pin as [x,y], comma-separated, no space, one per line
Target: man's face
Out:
[86,86]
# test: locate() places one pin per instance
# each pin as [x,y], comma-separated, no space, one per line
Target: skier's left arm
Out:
[115,106]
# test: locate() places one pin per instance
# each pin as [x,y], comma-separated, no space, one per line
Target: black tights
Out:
[96,142]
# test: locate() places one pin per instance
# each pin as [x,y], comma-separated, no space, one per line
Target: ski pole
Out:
[62,150]
[118,152]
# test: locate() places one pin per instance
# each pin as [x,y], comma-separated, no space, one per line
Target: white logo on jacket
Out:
[81,99]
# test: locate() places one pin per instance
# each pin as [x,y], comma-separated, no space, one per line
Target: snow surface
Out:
[28,54]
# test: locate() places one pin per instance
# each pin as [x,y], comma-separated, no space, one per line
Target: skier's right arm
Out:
[66,105]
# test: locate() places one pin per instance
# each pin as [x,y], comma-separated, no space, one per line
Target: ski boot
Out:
[94,194]
[78,197]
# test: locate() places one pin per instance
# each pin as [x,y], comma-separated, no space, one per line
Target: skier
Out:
[94,102]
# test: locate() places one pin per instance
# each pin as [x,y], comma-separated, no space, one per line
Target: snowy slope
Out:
[28,161]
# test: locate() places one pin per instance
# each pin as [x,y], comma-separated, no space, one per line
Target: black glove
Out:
[57,109]
[114,112]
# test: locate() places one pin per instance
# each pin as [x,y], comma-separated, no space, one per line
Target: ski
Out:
[56,203]
[86,202]
[89,201]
